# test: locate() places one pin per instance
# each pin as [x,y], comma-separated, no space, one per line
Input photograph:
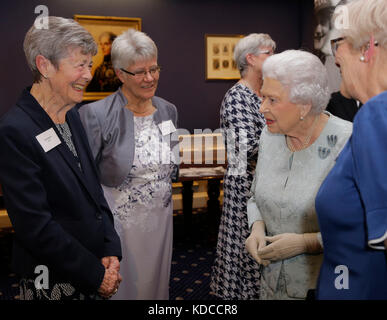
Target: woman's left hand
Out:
[111,262]
[283,246]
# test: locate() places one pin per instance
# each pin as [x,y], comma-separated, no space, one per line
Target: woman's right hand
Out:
[110,283]
[256,241]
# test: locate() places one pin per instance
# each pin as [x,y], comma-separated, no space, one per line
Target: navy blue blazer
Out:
[59,214]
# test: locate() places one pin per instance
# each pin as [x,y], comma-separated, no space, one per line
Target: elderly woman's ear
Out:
[120,74]
[250,58]
[44,66]
[368,50]
[305,109]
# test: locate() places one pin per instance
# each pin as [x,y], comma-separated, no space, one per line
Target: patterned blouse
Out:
[65,132]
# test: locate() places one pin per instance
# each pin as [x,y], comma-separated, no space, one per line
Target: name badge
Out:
[167,127]
[48,139]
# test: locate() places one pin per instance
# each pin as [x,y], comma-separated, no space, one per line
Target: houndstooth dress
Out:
[235,275]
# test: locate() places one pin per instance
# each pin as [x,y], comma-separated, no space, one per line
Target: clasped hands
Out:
[112,277]
[281,246]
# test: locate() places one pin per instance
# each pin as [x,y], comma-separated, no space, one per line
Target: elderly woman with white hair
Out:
[352,201]
[129,134]
[64,233]
[235,274]
[298,147]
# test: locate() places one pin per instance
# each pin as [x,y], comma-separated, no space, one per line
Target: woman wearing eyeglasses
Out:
[352,201]
[130,133]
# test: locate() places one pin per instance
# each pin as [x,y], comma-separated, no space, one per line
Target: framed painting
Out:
[104,30]
[219,50]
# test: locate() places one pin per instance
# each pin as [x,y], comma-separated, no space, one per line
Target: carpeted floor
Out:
[9,283]
[192,259]
[193,255]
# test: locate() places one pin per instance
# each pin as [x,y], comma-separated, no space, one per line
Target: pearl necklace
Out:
[307,139]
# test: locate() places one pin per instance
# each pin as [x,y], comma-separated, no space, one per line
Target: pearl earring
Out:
[301,118]
[362,58]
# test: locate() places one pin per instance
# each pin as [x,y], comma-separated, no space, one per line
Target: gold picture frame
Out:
[219,50]
[104,28]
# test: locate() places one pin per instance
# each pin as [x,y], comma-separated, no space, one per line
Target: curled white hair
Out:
[251,44]
[304,76]
[130,47]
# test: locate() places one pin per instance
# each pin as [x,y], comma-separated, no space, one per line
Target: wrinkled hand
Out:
[256,241]
[283,246]
[109,284]
[112,277]
[111,262]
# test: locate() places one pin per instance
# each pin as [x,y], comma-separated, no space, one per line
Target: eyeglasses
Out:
[335,44]
[269,52]
[154,71]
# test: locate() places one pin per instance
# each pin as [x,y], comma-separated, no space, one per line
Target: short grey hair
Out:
[303,74]
[132,46]
[366,18]
[55,42]
[251,44]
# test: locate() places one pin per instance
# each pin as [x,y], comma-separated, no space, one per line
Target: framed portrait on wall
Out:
[219,50]
[104,30]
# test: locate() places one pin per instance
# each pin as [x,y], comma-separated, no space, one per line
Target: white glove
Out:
[256,241]
[287,245]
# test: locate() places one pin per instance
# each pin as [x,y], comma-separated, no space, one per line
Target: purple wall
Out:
[178,28]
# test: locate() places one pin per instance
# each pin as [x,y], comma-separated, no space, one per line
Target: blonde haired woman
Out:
[352,201]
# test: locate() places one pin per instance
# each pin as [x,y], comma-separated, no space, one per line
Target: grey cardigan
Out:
[110,131]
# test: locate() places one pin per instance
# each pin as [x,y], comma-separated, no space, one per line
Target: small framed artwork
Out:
[104,30]
[219,59]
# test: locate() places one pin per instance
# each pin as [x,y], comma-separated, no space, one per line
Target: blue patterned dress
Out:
[235,275]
